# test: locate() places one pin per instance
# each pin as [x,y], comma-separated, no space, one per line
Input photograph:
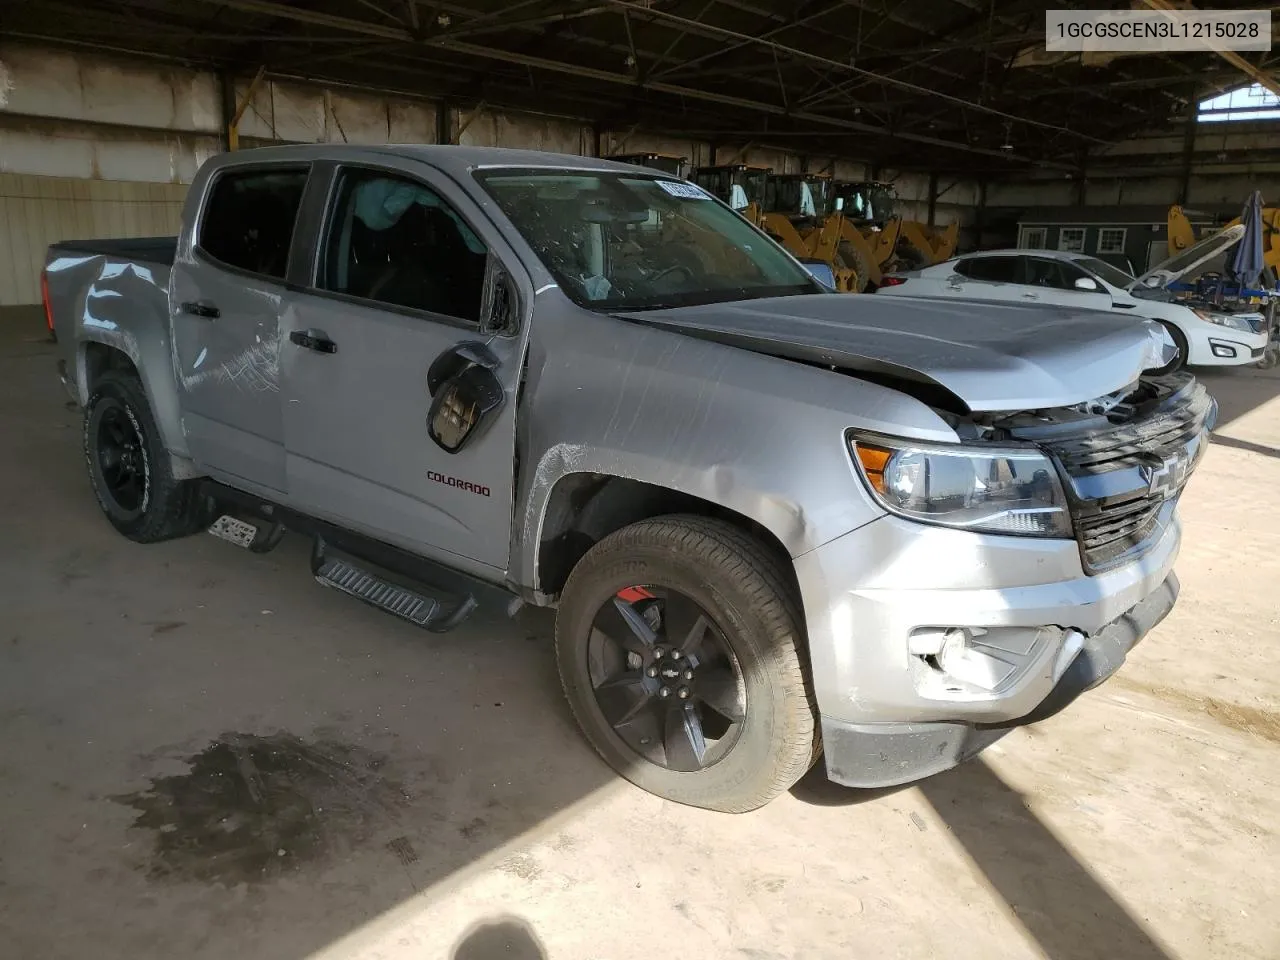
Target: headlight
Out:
[1223,320]
[994,490]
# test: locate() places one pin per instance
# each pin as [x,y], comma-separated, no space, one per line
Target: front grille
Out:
[1174,423]
[1110,534]
[1123,482]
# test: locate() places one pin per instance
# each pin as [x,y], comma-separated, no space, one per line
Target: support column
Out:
[1188,150]
[233,128]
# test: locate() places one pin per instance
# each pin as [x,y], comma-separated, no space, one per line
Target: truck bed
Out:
[146,249]
[114,293]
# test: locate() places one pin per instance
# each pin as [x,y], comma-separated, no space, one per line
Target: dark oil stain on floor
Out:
[251,808]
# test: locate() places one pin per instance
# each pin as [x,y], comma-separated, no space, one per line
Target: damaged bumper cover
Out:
[929,644]
[885,754]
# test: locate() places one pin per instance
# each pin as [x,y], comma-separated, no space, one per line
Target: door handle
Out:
[206,311]
[316,340]
[1031,296]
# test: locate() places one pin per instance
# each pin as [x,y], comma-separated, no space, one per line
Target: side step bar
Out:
[345,574]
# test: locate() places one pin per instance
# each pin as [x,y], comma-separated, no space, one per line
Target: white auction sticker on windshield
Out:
[685,191]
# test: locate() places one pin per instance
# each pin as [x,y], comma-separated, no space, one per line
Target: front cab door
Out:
[401,358]
[1055,281]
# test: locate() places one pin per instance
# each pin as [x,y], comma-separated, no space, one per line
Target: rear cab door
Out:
[407,283]
[225,296]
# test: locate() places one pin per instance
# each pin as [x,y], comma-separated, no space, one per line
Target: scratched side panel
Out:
[761,436]
[227,367]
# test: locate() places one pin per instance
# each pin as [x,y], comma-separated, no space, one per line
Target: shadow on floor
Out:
[1056,898]
[504,938]
[1266,451]
[1238,390]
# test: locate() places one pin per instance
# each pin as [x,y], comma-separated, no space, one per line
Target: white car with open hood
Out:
[1206,334]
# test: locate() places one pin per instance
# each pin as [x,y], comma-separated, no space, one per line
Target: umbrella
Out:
[1246,263]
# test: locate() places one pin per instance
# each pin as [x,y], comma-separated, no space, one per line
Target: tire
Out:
[1180,341]
[157,507]
[856,259]
[744,592]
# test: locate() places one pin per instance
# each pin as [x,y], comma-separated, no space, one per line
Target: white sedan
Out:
[1205,334]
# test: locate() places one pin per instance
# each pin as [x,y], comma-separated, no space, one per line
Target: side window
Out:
[249,216]
[394,240]
[991,269]
[1045,273]
[1069,273]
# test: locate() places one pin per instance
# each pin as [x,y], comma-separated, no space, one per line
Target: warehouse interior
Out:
[459,813]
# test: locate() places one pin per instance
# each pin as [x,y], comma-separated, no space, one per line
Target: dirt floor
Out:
[205,754]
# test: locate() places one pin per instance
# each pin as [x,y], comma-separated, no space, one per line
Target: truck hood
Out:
[991,356]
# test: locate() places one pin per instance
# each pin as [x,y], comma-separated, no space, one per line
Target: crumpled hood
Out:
[992,356]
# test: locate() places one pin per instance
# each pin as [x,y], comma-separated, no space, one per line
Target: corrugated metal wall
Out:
[96,146]
[38,211]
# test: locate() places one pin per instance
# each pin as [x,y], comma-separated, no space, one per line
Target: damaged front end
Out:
[1123,459]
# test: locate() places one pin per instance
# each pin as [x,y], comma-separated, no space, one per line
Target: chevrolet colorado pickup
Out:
[778,524]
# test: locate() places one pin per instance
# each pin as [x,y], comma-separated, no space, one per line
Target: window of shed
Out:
[1111,240]
[1071,239]
[1032,238]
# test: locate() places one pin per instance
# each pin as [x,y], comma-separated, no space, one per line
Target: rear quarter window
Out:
[992,269]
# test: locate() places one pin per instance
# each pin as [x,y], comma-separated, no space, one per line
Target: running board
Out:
[420,609]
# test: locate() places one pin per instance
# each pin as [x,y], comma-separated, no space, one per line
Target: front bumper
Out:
[884,754]
[1223,346]
[1039,630]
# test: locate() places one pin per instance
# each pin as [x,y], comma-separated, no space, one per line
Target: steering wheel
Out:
[688,274]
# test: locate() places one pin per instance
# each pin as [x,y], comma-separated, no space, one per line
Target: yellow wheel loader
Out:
[869,227]
[740,186]
[787,207]
[799,213]
[932,244]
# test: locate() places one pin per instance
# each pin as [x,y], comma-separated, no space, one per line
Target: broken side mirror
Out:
[465,392]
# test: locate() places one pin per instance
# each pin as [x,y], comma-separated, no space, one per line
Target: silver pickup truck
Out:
[778,524]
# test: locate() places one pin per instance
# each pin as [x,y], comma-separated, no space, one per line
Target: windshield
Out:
[1106,272]
[618,241]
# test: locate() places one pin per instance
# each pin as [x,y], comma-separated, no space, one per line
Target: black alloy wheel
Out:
[679,641]
[665,678]
[122,461]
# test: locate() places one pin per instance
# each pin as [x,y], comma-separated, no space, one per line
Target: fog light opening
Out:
[1221,350]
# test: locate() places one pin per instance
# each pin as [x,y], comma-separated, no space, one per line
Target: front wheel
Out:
[680,649]
[1179,341]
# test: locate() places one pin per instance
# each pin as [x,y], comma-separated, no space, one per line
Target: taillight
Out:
[892,281]
[44,298]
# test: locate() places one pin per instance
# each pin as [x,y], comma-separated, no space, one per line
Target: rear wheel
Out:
[678,641]
[129,466]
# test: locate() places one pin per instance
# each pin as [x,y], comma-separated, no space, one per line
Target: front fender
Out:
[760,436]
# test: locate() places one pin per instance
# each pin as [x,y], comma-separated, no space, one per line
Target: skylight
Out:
[1255,102]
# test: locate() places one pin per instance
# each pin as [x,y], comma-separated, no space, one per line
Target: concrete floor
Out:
[204,754]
